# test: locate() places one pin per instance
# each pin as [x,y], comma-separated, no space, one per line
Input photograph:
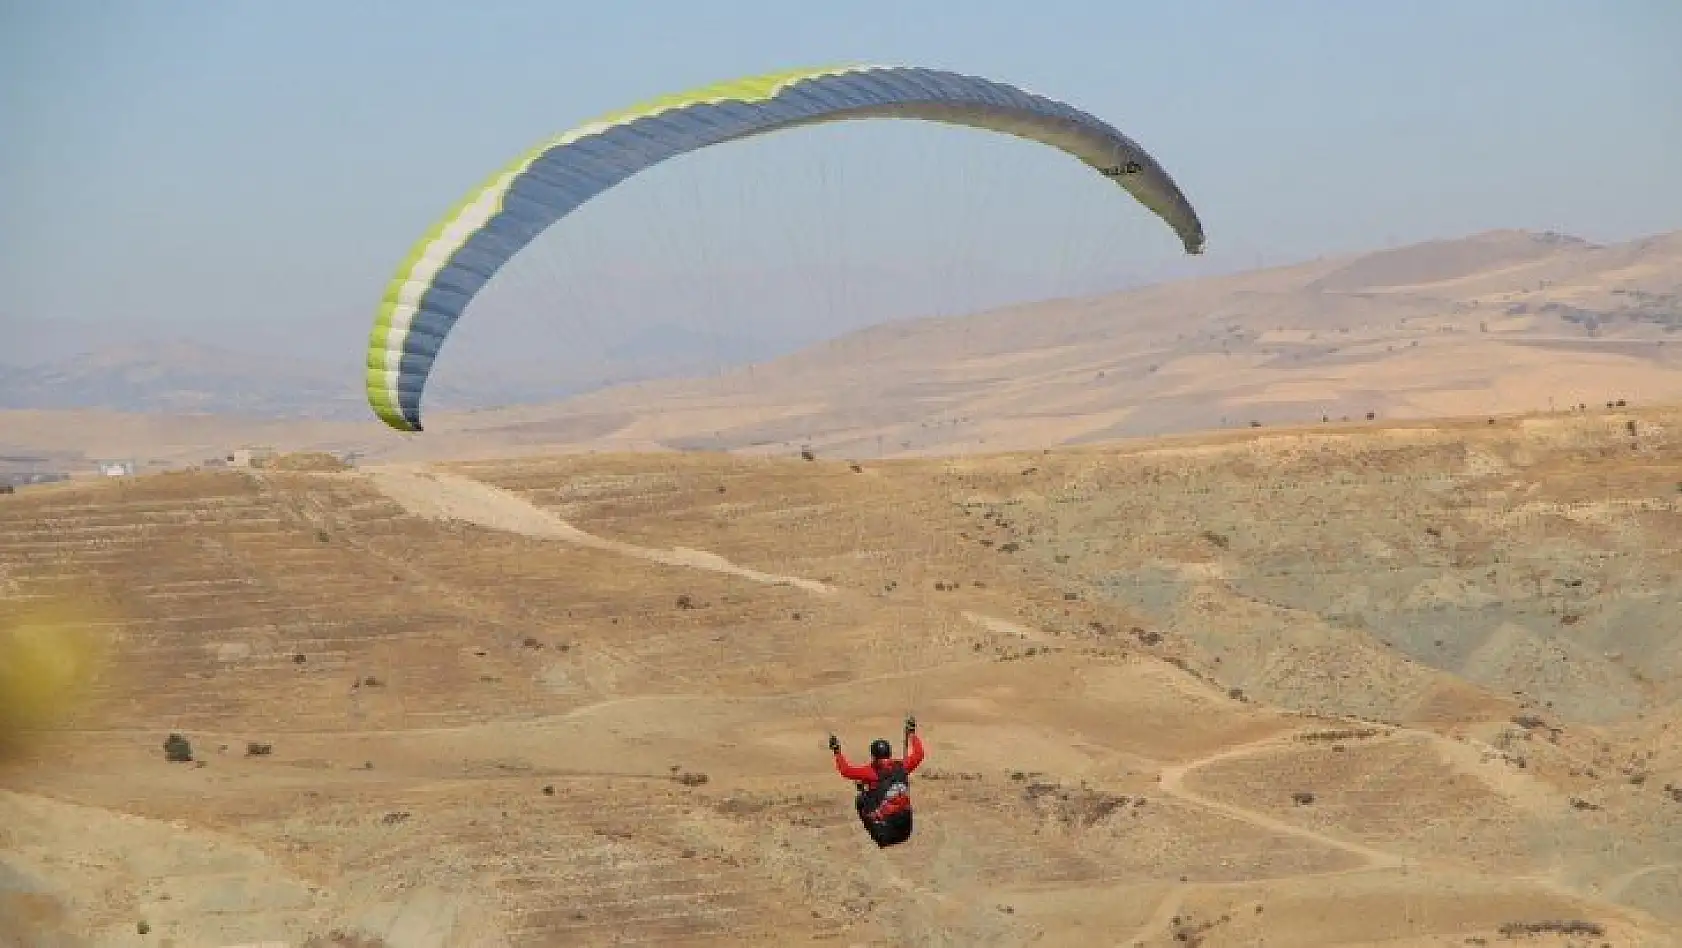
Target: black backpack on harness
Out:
[891,785]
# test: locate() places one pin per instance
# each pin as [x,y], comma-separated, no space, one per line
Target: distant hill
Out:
[174,376]
[1499,322]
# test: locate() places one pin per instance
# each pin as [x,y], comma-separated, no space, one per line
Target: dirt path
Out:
[999,626]
[1172,783]
[1173,778]
[439,496]
[449,496]
[1615,889]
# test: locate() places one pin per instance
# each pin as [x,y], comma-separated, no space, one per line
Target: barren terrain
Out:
[1495,323]
[1398,685]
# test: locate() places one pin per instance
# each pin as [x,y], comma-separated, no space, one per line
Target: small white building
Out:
[116,468]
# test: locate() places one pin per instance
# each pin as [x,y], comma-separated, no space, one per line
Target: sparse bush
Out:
[1075,806]
[689,779]
[1302,798]
[684,601]
[1514,929]
[177,749]
[341,939]
[1338,734]
[1218,539]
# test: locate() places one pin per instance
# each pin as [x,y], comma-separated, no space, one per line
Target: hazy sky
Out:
[237,170]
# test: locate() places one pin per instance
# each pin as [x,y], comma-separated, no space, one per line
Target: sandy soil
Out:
[582,700]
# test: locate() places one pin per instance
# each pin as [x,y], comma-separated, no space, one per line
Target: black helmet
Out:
[880,749]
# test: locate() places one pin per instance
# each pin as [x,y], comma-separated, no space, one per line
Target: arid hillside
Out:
[1496,323]
[1366,684]
[1502,322]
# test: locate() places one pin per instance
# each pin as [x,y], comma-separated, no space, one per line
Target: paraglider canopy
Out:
[453,261]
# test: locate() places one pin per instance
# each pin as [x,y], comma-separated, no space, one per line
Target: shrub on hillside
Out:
[342,939]
[177,749]
[1514,929]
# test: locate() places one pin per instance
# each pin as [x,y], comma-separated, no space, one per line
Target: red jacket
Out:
[867,774]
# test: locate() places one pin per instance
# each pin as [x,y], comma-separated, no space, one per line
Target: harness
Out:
[891,792]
